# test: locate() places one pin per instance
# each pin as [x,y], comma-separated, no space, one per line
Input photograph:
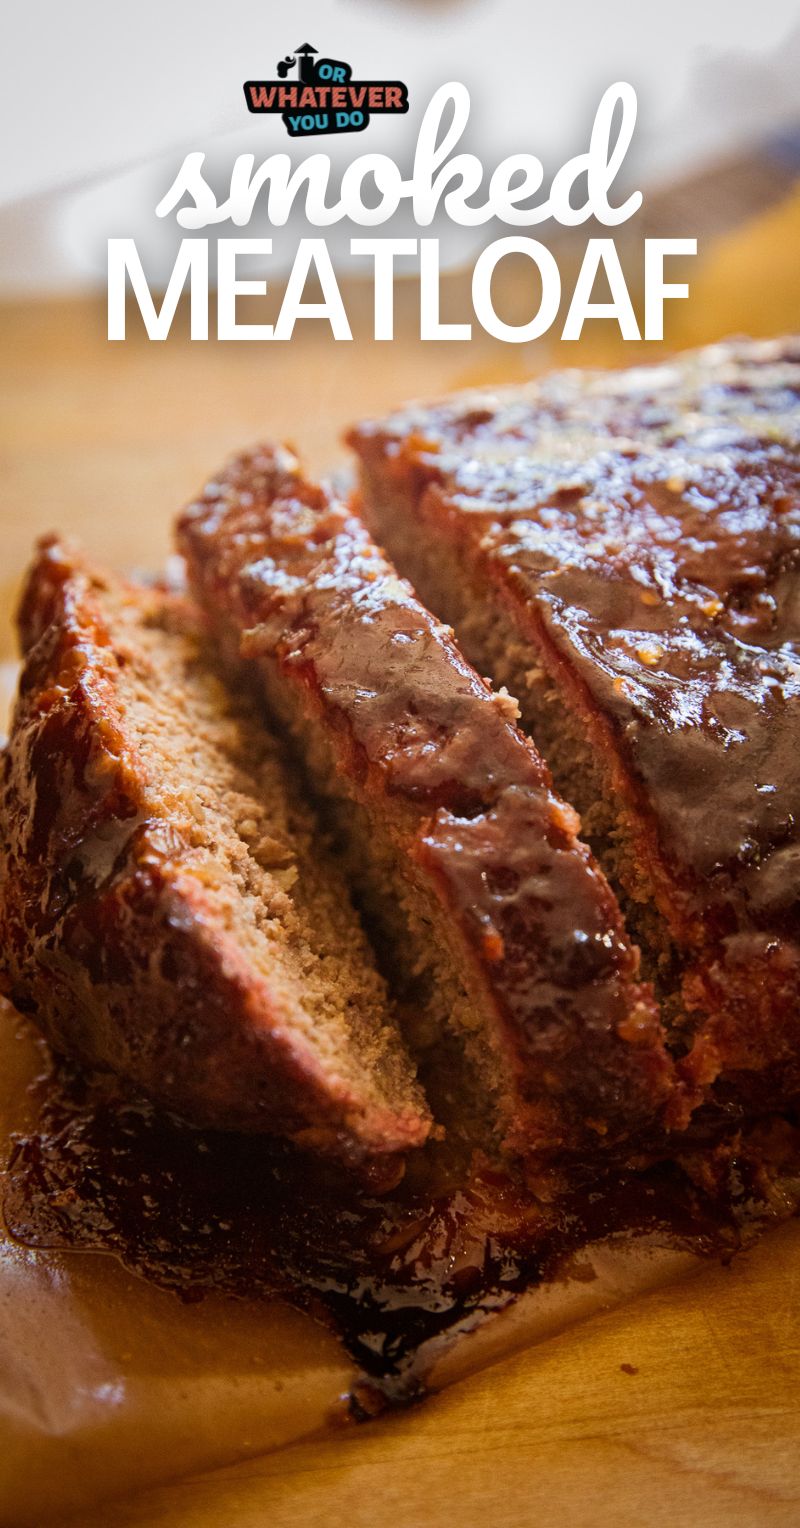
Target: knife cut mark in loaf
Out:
[465,859]
[168,908]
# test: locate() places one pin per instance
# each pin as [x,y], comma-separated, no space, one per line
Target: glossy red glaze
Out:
[642,531]
[293,583]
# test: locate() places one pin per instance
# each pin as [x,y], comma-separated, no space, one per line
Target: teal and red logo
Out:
[323,97]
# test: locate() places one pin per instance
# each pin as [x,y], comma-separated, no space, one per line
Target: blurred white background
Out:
[99,103]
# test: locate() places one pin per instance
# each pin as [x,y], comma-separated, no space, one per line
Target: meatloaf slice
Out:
[167,908]
[623,550]
[466,860]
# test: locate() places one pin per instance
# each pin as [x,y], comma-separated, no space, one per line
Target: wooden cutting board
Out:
[704,1434]
[680,1409]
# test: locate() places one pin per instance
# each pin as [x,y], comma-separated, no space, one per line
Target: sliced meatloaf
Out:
[468,864]
[623,551]
[167,906]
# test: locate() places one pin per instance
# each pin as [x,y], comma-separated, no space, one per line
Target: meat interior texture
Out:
[168,906]
[623,551]
[502,924]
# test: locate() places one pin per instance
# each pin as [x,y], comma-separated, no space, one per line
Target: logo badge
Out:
[317,95]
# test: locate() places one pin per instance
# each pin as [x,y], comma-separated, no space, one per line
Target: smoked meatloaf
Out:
[168,908]
[498,922]
[623,551]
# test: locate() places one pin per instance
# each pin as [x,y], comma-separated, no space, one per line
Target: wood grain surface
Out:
[680,1409]
[705,1433]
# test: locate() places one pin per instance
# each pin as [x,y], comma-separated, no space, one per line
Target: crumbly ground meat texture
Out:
[169,908]
[622,550]
[497,917]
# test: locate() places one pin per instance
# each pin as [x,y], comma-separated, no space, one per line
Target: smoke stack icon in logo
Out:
[305,58]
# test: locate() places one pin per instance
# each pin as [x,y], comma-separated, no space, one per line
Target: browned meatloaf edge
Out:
[168,908]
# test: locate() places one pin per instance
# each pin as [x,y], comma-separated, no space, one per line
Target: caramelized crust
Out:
[167,909]
[466,855]
[623,550]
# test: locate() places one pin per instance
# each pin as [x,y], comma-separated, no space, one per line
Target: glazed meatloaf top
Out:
[168,906]
[459,798]
[649,523]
